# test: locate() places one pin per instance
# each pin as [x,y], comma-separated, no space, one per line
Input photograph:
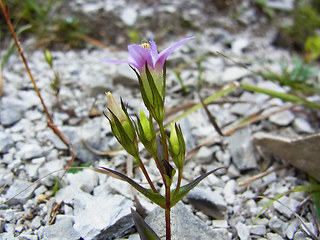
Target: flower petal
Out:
[154,51]
[140,55]
[165,53]
[119,61]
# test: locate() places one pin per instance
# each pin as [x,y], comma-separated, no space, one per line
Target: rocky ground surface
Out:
[36,203]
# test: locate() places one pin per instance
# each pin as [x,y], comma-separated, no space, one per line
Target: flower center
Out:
[146,46]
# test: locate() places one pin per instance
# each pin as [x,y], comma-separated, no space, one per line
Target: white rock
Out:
[229,191]
[302,126]
[243,231]
[21,190]
[284,5]
[242,150]
[274,236]
[233,73]
[239,44]
[204,155]
[282,118]
[292,228]
[129,15]
[93,213]
[260,230]
[286,206]
[29,151]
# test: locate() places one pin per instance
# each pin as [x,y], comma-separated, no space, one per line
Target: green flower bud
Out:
[174,140]
[48,57]
[146,133]
[121,126]
[145,123]
[177,146]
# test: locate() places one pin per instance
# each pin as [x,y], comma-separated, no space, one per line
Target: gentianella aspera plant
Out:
[150,67]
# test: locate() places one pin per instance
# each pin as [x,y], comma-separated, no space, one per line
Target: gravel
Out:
[40,201]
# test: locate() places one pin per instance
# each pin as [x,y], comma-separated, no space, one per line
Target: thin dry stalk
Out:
[51,124]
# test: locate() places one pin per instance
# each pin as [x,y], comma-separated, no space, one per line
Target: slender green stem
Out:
[164,142]
[178,182]
[144,170]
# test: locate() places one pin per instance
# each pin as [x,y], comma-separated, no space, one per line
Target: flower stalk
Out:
[150,68]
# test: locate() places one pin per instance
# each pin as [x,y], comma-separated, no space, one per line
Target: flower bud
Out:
[145,123]
[177,146]
[121,125]
[48,57]
[146,133]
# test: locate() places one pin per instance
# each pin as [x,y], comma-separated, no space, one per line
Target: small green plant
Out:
[298,77]
[150,68]
[43,21]
[312,48]
[305,22]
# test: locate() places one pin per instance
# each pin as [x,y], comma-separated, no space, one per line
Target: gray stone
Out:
[125,76]
[283,118]
[89,134]
[85,180]
[93,213]
[278,226]
[229,191]
[302,126]
[6,142]
[242,150]
[29,151]
[21,190]
[303,153]
[260,230]
[286,206]
[274,236]
[284,5]
[271,86]
[129,15]
[299,235]
[243,231]
[209,202]
[121,228]
[292,228]
[9,116]
[204,155]
[61,229]
[233,73]
[184,225]
[239,44]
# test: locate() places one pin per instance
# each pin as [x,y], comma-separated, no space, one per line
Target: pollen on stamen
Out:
[145,45]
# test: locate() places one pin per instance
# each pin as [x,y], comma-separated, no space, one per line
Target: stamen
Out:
[146,46]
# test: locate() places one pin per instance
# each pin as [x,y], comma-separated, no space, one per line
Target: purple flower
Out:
[152,86]
[139,55]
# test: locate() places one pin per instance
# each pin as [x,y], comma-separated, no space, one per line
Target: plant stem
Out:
[167,185]
[164,142]
[145,173]
[50,122]
[178,182]
[167,214]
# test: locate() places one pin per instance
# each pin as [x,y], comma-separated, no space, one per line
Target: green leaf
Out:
[316,196]
[144,230]
[176,197]
[148,193]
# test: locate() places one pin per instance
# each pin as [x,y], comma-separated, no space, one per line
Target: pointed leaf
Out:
[175,198]
[148,193]
[144,230]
